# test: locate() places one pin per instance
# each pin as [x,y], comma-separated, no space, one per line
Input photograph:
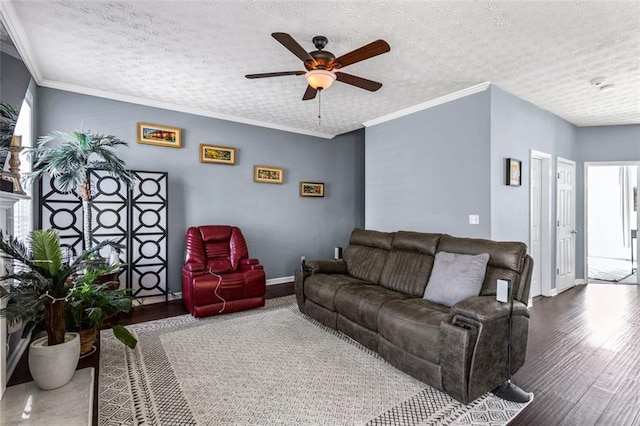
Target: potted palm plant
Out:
[68,158]
[39,290]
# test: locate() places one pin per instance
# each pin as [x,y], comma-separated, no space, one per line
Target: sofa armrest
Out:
[486,308]
[327,266]
[474,358]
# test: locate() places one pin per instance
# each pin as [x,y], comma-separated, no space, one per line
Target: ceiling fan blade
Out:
[287,41]
[309,94]
[370,50]
[360,82]
[275,74]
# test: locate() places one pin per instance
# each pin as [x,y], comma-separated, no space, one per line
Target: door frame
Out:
[586,210]
[546,218]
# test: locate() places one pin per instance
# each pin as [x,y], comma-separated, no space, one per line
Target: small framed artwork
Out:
[268,174]
[514,172]
[156,134]
[311,189]
[217,154]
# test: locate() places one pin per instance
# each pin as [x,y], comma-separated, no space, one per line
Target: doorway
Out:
[612,219]
[540,223]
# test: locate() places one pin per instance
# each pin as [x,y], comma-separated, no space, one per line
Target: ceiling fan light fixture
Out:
[320,79]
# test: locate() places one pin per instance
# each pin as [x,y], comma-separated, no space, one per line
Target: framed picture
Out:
[311,189]
[217,154]
[514,172]
[155,134]
[268,174]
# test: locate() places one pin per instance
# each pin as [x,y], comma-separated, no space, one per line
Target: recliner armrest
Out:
[486,308]
[250,264]
[194,267]
[327,266]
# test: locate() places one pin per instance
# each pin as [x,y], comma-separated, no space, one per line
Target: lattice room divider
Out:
[135,218]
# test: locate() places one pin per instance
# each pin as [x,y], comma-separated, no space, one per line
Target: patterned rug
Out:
[269,366]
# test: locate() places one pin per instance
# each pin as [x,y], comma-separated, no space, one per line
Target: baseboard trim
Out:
[280,280]
[552,293]
[581,281]
[156,299]
[178,295]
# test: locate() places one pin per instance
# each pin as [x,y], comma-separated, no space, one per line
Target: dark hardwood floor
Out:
[583,358]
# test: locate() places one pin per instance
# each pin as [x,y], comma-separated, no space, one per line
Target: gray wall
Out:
[517,127]
[609,143]
[279,225]
[429,171]
[14,80]
[603,143]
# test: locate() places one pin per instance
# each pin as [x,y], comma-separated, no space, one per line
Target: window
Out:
[23,209]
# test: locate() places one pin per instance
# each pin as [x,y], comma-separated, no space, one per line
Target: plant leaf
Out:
[125,336]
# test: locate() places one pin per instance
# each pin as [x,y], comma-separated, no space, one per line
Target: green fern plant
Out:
[68,158]
[90,304]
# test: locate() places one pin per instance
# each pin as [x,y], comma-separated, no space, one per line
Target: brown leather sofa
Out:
[218,277]
[375,296]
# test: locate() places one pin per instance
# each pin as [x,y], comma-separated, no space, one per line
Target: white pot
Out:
[53,366]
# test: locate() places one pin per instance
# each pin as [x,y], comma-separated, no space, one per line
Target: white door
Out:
[536,226]
[566,224]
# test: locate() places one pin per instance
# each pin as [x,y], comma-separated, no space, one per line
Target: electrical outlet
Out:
[474,219]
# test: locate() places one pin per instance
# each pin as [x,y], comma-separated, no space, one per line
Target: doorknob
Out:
[574,232]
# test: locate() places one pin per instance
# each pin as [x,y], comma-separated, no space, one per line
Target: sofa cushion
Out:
[409,262]
[506,259]
[366,253]
[456,277]
[413,325]
[322,288]
[360,303]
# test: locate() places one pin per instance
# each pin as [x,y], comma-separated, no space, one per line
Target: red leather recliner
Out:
[220,250]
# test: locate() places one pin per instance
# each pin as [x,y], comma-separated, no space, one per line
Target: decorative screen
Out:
[135,218]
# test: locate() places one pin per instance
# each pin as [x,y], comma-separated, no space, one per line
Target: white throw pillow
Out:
[455,277]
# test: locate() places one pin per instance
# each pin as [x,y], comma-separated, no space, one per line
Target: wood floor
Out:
[583,359]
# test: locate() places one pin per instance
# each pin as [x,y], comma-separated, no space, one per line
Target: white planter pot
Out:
[53,366]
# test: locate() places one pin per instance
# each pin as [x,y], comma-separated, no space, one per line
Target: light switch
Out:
[474,219]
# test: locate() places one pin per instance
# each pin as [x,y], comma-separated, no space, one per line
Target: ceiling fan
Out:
[321,64]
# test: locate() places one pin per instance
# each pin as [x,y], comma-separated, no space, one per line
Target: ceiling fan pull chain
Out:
[319,108]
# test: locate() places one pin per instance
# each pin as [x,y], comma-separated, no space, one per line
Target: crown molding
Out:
[11,23]
[430,104]
[179,108]
[6,46]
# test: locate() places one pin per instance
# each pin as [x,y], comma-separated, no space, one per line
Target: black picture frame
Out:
[513,172]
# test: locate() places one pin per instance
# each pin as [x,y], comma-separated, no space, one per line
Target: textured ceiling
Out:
[193,55]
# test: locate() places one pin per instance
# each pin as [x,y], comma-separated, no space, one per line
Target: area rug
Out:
[609,270]
[268,366]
